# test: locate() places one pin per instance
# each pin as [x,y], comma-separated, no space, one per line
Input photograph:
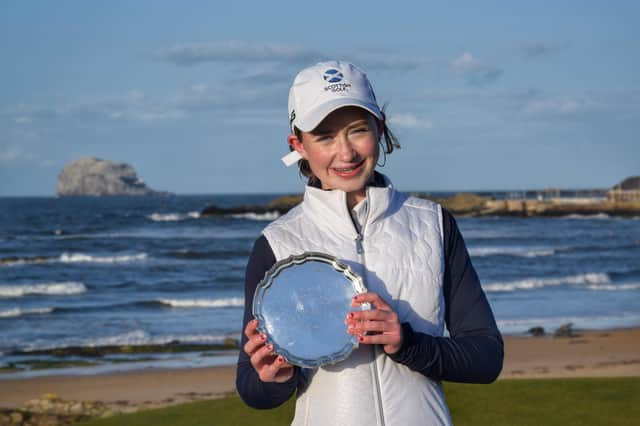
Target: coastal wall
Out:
[555,207]
[466,204]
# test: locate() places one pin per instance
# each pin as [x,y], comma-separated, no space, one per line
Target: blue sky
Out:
[489,95]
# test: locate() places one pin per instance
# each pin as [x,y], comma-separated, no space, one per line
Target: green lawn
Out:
[607,401]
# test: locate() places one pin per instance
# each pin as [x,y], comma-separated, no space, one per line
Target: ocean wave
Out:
[266,216]
[598,247]
[18,312]
[596,322]
[598,216]
[81,257]
[188,233]
[532,283]
[173,217]
[71,258]
[133,337]
[484,234]
[14,260]
[230,302]
[54,289]
[510,251]
[196,255]
[204,303]
[614,287]
[625,273]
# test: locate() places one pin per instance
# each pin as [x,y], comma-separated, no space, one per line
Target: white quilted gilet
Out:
[402,260]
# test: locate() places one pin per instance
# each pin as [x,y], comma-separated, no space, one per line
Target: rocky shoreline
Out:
[564,353]
[51,410]
[466,204]
[89,356]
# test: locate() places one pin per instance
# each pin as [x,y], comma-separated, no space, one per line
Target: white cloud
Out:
[283,54]
[237,51]
[560,106]
[131,106]
[136,106]
[384,60]
[409,121]
[474,71]
[465,62]
[10,154]
[538,49]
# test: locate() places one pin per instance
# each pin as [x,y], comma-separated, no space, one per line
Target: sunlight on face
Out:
[343,150]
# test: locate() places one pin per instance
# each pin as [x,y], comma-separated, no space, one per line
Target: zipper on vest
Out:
[359,248]
[360,251]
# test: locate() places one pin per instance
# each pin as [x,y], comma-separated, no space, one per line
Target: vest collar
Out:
[329,208]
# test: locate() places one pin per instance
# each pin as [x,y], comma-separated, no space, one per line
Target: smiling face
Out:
[342,151]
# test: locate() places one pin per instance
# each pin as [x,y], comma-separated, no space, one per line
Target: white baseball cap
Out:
[321,89]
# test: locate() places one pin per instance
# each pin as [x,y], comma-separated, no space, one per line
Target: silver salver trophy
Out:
[301,305]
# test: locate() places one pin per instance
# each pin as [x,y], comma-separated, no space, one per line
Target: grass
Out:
[610,401]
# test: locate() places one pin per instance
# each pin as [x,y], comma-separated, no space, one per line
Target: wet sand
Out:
[611,353]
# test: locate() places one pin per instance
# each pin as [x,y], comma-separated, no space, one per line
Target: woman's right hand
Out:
[269,366]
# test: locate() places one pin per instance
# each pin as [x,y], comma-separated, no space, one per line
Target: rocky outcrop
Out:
[94,176]
[462,203]
[279,205]
[465,204]
[51,410]
[629,184]
[565,330]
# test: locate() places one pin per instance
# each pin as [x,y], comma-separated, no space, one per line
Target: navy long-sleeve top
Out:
[473,352]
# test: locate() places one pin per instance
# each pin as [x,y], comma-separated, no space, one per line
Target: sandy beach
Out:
[590,354]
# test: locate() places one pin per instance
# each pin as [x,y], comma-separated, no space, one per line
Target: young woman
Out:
[412,258]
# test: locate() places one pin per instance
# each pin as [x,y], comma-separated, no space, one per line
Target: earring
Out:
[384,155]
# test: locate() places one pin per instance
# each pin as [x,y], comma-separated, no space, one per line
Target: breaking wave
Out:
[81,257]
[62,288]
[72,258]
[173,217]
[533,283]
[614,287]
[18,312]
[510,251]
[133,337]
[267,216]
[204,303]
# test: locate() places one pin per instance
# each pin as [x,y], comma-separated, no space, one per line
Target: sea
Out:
[95,271]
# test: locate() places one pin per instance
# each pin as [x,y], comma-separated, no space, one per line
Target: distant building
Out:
[627,190]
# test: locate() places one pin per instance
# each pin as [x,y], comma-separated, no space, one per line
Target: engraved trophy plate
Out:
[301,305]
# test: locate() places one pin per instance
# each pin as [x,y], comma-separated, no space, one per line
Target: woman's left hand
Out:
[379,326]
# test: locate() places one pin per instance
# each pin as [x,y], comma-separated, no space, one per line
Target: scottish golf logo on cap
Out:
[332,76]
[335,79]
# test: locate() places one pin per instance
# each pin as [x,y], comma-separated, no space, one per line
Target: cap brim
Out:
[315,117]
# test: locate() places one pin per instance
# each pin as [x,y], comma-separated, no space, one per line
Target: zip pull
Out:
[359,248]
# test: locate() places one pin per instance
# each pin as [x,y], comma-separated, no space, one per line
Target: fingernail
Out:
[263,337]
[280,359]
[355,298]
[351,315]
[360,338]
